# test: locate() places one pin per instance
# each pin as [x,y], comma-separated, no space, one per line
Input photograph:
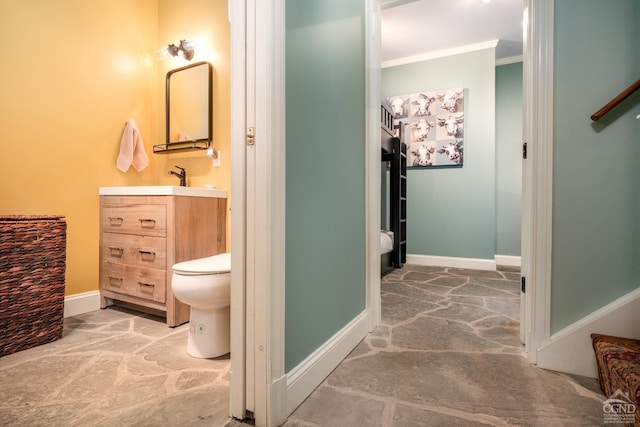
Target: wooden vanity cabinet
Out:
[141,237]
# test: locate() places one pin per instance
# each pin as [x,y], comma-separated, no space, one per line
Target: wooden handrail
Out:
[615,101]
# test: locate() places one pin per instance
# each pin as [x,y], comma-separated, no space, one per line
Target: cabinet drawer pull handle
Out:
[115,220]
[150,254]
[115,251]
[151,285]
[147,222]
[115,281]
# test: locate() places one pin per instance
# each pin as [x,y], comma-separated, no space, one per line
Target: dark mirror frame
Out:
[197,144]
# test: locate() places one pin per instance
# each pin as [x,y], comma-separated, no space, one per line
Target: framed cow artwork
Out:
[431,123]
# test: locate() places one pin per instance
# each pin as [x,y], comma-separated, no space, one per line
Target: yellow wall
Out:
[72,73]
[207,22]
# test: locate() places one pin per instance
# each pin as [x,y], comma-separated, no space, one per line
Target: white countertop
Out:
[162,190]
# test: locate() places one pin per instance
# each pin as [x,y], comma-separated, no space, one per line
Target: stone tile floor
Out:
[113,367]
[446,354]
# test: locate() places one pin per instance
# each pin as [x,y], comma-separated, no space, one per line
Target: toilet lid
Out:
[210,265]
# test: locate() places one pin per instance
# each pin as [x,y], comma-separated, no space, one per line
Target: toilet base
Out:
[209,333]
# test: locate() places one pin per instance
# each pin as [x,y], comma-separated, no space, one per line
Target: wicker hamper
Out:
[32,268]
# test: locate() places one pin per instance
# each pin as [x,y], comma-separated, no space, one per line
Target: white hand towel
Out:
[132,149]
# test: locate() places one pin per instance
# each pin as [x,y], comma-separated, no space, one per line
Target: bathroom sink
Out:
[161,190]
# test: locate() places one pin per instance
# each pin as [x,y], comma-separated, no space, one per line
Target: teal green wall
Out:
[452,212]
[508,158]
[325,172]
[596,173]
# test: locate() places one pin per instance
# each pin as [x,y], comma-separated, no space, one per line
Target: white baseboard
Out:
[570,350]
[443,261]
[81,303]
[508,261]
[308,375]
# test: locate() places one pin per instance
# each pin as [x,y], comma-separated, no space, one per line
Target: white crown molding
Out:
[440,53]
[509,60]
[388,4]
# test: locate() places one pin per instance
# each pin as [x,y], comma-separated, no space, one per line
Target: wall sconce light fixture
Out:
[185,46]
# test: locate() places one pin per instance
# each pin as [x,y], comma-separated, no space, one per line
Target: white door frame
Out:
[537,177]
[237,375]
[373,166]
[537,182]
[257,379]
[270,394]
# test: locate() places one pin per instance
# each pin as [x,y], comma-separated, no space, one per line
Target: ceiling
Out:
[422,27]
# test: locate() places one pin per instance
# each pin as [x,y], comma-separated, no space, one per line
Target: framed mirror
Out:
[189,99]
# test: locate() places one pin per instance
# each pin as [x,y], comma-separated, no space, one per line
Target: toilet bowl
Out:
[205,284]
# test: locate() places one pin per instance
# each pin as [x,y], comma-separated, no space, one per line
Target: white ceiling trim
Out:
[509,60]
[387,4]
[440,53]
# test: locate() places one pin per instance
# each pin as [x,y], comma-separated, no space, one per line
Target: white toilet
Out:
[205,284]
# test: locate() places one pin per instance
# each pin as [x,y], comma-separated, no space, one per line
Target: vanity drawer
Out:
[149,220]
[141,251]
[146,283]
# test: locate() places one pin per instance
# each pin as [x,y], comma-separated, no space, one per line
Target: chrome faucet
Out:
[182,175]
